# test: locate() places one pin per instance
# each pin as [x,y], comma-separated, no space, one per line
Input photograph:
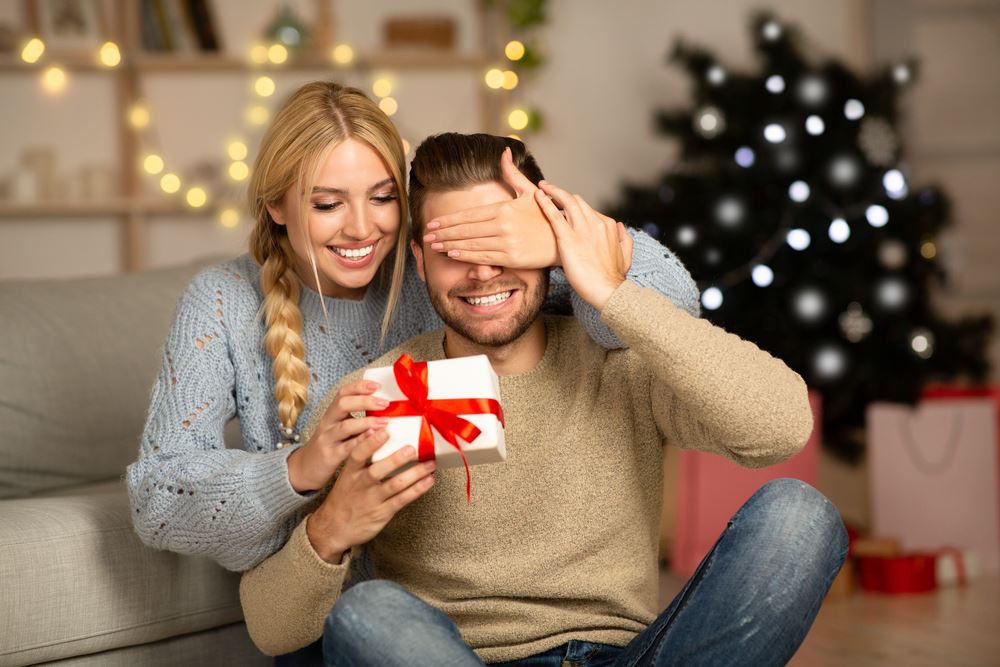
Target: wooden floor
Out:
[953,627]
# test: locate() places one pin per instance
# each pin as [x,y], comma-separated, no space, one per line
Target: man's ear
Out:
[276,214]
[418,254]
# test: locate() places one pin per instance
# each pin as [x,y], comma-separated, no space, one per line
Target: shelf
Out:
[205,62]
[93,209]
[407,60]
[74,63]
[135,207]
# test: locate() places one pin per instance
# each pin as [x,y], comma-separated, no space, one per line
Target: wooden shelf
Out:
[94,209]
[408,60]
[135,207]
[209,62]
[74,63]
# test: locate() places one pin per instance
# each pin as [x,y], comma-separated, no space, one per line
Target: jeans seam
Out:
[702,570]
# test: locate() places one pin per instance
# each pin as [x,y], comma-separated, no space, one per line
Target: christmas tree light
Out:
[793,208]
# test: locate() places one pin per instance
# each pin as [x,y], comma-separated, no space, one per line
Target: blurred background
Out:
[827,171]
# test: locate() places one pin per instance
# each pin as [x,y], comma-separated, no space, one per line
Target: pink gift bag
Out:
[711,488]
[933,476]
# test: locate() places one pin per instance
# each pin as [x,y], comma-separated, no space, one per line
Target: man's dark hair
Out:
[452,161]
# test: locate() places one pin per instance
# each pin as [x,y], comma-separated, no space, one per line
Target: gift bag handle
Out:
[922,463]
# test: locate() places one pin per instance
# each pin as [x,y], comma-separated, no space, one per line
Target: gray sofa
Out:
[77,360]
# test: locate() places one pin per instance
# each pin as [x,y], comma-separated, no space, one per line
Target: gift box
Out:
[908,573]
[933,475]
[448,409]
[845,581]
[875,546]
[711,489]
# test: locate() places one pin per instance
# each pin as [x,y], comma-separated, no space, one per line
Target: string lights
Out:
[523,57]
[110,55]
[33,51]
[256,114]
[54,79]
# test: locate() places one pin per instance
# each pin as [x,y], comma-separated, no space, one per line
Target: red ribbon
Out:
[441,414]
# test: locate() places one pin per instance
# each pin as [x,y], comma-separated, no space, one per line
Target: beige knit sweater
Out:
[560,540]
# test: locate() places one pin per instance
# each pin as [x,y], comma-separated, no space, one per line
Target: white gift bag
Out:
[933,476]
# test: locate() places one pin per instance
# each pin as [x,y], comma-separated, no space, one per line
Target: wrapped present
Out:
[875,546]
[448,409]
[845,581]
[933,475]
[955,567]
[711,488]
[907,573]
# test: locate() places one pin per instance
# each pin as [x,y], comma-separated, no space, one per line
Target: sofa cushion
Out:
[76,580]
[76,366]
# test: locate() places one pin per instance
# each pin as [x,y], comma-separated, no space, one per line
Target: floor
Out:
[953,627]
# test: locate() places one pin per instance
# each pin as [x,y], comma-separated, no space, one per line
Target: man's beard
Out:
[531,306]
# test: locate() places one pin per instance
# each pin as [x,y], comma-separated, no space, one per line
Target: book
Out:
[202,23]
[155,27]
[182,35]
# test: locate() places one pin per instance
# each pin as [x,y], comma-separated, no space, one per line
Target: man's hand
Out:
[596,250]
[511,233]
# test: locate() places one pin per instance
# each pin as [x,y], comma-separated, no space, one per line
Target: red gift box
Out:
[912,573]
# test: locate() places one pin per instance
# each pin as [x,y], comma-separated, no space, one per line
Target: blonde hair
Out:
[311,123]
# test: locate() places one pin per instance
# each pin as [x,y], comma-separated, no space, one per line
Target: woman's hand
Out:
[362,501]
[312,465]
[511,233]
[595,249]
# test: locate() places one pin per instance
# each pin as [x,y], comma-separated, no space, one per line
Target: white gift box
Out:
[460,378]
[955,567]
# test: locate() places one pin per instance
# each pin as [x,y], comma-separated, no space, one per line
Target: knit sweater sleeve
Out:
[710,389]
[188,493]
[653,266]
[287,597]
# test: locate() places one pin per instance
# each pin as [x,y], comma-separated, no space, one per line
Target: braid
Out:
[311,123]
[283,339]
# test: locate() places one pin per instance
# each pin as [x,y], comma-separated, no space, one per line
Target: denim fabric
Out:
[751,601]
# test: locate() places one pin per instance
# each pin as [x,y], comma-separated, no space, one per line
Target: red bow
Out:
[442,414]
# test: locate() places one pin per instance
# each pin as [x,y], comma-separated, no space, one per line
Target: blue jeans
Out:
[750,602]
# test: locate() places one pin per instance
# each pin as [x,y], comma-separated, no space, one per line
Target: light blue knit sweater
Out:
[189,493]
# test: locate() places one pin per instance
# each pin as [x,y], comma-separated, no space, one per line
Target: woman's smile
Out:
[354,255]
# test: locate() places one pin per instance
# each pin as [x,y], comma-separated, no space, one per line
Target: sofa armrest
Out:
[77,580]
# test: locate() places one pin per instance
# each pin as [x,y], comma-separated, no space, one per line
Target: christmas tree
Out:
[793,208]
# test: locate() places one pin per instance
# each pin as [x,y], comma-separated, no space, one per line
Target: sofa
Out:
[77,587]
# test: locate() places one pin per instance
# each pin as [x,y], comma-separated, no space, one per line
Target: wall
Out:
[952,134]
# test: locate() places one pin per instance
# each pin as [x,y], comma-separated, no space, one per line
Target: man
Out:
[555,559]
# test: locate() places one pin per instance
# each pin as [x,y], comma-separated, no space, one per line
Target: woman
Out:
[325,287]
